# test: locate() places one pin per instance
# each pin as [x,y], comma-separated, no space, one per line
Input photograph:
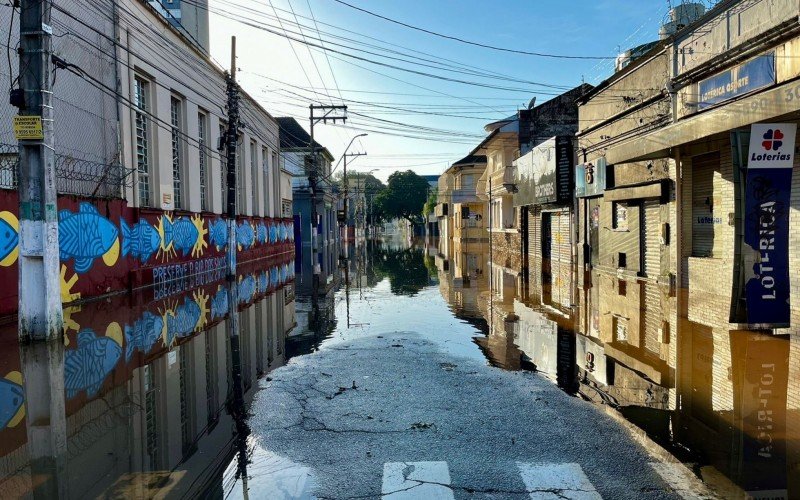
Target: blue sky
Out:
[282,79]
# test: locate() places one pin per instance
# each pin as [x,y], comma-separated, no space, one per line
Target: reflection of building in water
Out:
[146,391]
[316,284]
[463,277]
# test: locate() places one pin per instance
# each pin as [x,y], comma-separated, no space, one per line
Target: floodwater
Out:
[149,393]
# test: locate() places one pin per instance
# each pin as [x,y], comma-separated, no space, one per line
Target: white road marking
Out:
[557,481]
[681,479]
[416,480]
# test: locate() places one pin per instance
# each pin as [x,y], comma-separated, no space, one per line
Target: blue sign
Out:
[590,178]
[746,77]
[766,232]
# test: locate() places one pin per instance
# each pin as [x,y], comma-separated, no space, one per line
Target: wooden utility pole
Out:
[40,313]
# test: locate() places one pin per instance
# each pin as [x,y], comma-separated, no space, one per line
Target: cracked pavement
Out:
[350,408]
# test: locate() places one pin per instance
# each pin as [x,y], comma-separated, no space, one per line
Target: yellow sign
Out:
[28,128]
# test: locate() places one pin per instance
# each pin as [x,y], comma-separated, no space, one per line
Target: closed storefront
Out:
[560,258]
[703,168]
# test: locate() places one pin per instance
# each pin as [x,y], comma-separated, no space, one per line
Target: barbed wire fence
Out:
[86,140]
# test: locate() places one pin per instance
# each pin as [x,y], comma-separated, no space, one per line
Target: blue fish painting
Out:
[263,282]
[284,235]
[291,231]
[284,273]
[85,236]
[274,276]
[245,236]
[9,238]
[219,304]
[87,366]
[143,335]
[273,232]
[218,233]
[182,234]
[262,232]
[12,400]
[185,319]
[247,288]
[140,240]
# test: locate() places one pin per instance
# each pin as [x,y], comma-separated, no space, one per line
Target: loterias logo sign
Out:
[776,146]
[766,232]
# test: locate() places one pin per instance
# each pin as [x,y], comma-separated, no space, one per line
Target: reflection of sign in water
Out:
[766,231]
[751,75]
[761,374]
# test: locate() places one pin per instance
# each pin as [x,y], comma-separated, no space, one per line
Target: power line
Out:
[468,42]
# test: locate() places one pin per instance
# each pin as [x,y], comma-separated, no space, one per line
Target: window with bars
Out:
[176,120]
[240,203]
[265,168]
[253,177]
[211,380]
[286,207]
[202,163]
[151,417]
[141,89]
[185,403]
[223,167]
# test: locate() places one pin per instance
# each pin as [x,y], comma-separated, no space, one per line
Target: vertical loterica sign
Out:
[766,232]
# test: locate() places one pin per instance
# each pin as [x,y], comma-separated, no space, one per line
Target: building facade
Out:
[139,173]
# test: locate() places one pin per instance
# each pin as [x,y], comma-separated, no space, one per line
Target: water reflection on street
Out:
[154,388]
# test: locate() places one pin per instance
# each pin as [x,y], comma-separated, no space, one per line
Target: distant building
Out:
[190,18]
[295,142]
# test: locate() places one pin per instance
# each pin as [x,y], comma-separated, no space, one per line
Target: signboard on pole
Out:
[28,128]
[766,231]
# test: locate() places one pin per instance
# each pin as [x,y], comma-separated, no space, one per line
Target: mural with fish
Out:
[95,361]
[106,246]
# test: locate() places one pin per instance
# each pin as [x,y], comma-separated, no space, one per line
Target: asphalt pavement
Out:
[392,414]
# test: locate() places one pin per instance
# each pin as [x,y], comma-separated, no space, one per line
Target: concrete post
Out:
[40,314]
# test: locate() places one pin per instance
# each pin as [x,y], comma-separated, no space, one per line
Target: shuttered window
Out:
[703,168]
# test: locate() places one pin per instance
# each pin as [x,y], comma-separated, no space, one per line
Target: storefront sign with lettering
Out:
[766,232]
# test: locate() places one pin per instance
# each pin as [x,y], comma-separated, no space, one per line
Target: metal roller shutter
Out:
[703,168]
[561,259]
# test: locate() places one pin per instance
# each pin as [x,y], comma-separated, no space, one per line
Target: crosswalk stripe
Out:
[414,480]
[557,481]
[680,479]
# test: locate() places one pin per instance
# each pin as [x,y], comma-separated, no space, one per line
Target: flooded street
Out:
[388,369]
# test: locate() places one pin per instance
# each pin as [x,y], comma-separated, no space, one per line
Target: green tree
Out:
[431,203]
[404,197]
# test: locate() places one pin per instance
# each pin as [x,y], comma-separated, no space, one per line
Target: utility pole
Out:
[347,184]
[230,154]
[319,113]
[40,314]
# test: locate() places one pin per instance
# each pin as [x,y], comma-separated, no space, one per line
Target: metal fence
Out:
[73,175]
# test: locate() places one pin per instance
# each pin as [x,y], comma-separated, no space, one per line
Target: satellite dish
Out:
[532,103]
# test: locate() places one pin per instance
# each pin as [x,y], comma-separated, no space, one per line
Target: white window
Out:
[141,89]
[223,166]
[176,121]
[202,143]
[620,213]
[265,169]
[253,177]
